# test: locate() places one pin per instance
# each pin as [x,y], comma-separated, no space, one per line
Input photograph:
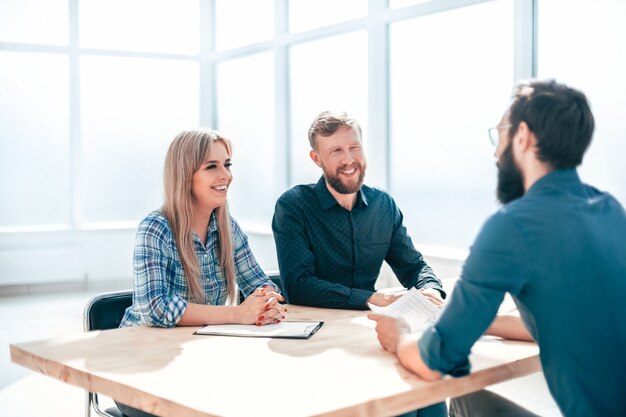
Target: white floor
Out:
[25,393]
[28,317]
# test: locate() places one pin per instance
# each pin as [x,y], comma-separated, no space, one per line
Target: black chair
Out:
[103,312]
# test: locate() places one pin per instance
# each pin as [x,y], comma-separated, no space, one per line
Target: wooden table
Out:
[339,371]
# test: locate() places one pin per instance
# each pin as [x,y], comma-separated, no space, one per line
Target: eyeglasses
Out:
[494,136]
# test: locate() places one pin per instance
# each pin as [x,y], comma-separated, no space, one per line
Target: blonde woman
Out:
[190,256]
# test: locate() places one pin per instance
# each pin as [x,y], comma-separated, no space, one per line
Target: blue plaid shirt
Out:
[160,288]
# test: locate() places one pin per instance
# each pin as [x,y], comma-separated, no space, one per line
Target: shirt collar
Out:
[212,223]
[327,200]
[210,230]
[557,176]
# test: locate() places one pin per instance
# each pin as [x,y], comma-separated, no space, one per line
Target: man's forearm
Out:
[315,292]
[409,356]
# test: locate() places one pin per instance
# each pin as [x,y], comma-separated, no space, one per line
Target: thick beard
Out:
[510,179]
[334,180]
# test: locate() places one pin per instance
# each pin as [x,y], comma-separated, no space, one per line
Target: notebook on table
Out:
[282,330]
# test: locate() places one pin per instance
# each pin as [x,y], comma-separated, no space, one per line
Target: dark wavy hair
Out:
[560,118]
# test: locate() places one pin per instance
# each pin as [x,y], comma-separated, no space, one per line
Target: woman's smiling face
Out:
[210,183]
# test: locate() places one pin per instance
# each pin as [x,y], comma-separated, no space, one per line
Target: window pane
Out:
[246,116]
[395,4]
[336,82]
[131,110]
[34,21]
[311,14]
[593,61]
[34,139]
[168,26]
[243,22]
[447,88]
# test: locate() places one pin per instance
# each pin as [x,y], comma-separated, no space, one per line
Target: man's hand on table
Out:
[381,300]
[433,295]
[390,330]
[394,336]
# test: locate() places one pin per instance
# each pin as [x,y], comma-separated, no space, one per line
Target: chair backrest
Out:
[105,311]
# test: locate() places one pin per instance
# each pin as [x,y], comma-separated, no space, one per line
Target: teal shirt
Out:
[560,251]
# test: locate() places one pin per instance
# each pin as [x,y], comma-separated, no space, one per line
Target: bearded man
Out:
[558,247]
[332,237]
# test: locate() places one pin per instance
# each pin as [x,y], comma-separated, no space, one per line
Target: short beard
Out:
[335,181]
[510,178]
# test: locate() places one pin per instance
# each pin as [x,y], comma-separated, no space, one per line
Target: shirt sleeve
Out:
[249,273]
[153,299]
[499,262]
[296,261]
[407,262]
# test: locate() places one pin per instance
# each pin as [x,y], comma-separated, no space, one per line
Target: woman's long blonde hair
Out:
[184,157]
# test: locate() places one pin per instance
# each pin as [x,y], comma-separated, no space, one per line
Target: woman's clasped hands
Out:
[262,307]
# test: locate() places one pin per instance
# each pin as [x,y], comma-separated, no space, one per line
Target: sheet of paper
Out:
[285,329]
[413,307]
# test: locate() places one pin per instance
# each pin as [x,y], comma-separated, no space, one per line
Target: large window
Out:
[444,96]
[131,108]
[169,26]
[594,61]
[34,21]
[35,183]
[87,112]
[311,14]
[246,116]
[243,22]
[92,92]
[324,77]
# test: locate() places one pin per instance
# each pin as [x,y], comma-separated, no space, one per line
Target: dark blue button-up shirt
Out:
[330,257]
[560,251]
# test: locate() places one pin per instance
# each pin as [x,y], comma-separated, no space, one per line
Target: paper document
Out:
[284,330]
[414,307]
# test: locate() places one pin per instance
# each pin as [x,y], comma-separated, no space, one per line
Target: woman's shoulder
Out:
[235,227]
[155,223]
[240,238]
[155,217]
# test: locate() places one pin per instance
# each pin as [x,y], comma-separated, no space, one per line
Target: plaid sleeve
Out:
[157,280]
[250,275]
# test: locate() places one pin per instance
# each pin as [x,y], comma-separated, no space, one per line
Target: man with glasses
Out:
[558,247]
